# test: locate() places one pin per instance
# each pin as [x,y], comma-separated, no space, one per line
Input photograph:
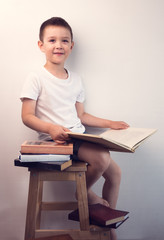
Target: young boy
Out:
[52,104]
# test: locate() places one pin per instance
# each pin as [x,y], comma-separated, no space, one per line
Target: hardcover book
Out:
[45,165]
[44,157]
[49,147]
[125,140]
[102,215]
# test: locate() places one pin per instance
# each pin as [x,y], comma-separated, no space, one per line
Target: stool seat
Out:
[35,205]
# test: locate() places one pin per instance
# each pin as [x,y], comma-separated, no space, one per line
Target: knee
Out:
[102,160]
[113,174]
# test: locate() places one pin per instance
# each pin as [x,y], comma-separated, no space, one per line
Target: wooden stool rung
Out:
[75,234]
[52,206]
[56,176]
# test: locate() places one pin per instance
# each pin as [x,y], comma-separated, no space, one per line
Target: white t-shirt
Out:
[55,99]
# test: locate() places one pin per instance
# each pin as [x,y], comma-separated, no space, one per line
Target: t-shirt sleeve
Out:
[81,95]
[31,87]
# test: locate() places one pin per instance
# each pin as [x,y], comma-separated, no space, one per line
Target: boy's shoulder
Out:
[35,73]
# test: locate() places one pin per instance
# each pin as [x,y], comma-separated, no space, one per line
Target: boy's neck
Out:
[57,70]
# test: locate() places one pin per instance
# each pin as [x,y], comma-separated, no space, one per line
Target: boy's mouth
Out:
[58,53]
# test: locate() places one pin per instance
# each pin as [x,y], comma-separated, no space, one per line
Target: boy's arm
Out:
[30,120]
[92,121]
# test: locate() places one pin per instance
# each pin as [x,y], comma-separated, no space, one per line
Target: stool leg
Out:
[82,200]
[34,205]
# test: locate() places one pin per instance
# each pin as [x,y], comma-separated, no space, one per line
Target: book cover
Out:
[102,215]
[125,140]
[45,165]
[48,147]
[44,157]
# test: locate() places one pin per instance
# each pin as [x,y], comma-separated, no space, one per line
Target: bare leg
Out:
[112,183]
[111,188]
[101,164]
[98,159]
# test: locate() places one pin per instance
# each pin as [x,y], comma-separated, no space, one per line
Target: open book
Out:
[126,140]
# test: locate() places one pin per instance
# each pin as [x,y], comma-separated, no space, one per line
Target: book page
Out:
[128,137]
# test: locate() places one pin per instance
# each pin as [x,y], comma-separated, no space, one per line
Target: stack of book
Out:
[46,152]
[102,216]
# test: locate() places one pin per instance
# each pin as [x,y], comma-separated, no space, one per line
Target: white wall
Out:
[119,51]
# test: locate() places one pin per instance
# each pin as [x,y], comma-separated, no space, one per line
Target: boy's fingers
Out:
[60,141]
[64,136]
[66,129]
[124,125]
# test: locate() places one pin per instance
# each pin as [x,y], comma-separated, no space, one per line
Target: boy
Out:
[52,104]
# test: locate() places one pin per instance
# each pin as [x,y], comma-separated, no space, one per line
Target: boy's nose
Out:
[58,44]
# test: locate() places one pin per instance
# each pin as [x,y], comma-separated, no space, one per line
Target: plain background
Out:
[119,52]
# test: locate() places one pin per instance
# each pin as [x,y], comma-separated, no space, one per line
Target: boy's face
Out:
[56,44]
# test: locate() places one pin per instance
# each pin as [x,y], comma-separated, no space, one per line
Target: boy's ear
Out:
[72,45]
[40,45]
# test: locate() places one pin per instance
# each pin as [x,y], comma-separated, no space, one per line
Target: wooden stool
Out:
[35,204]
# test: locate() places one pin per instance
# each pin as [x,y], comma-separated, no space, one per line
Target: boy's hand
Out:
[58,133]
[118,125]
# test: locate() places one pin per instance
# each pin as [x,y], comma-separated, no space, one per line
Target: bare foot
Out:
[93,199]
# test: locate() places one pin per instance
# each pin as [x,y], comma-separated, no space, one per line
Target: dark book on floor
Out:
[102,215]
[45,165]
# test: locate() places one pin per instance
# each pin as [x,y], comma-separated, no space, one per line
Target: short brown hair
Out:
[54,21]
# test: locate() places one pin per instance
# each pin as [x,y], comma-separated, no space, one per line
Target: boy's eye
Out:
[66,41]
